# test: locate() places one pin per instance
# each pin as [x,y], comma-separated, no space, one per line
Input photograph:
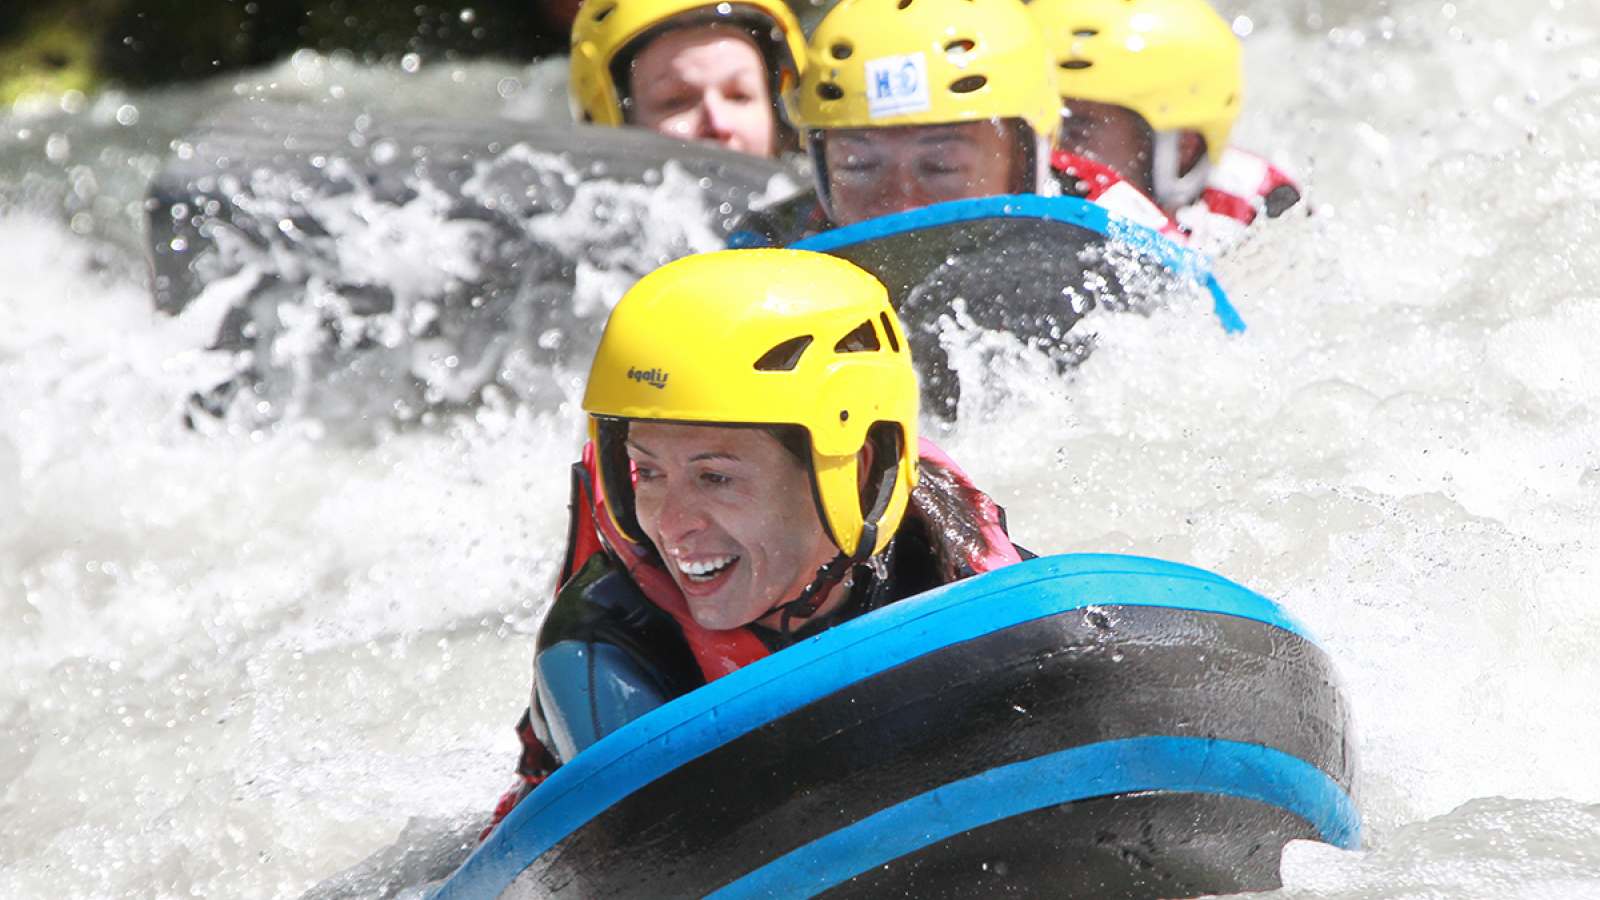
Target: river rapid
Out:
[236,661]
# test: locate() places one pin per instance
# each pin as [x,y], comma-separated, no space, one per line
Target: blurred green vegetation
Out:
[54,46]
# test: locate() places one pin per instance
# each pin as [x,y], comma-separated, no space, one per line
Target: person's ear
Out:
[864,460]
[1191,148]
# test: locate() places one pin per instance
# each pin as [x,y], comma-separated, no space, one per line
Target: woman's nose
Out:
[678,515]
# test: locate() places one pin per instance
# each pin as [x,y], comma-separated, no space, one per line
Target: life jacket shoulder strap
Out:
[583,538]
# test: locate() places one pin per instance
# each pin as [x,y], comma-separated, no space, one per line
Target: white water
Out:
[234,663]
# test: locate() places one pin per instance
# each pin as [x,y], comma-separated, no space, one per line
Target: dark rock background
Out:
[53,46]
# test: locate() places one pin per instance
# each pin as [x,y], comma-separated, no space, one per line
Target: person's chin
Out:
[714,604]
[711,615]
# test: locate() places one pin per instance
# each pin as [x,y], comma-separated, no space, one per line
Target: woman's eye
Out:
[671,103]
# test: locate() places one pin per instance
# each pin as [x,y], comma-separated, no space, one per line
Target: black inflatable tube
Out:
[1035,709]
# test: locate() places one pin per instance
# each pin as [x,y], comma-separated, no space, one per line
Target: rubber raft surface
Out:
[1022,264]
[1072,726]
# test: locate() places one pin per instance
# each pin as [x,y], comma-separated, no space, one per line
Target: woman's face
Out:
[877,171]
[731,512]
[707,83]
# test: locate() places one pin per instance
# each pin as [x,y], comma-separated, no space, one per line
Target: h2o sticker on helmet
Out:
[897,85]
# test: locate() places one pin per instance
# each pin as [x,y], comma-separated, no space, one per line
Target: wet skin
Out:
[1111,135]
[705,84]
[731,512]
[878,171]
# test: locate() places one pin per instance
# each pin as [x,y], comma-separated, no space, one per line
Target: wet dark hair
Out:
[949,507]
[794,439]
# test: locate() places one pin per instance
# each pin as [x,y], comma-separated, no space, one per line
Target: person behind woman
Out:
[698,70]
[753,477]
[1150,91]
[903,105]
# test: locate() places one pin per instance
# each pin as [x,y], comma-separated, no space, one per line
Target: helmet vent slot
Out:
[863,340]
[604,14]
[785,356]
[968,84]
[841,50]
[1086,32]
[964,45]
[1074,64]
[903,4]
[894,342]
[830,91]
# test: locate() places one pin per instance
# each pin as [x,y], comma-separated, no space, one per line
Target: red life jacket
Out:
[1238,188]
[1102,186]
[1243,184]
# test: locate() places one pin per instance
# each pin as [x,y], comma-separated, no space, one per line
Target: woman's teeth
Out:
[705,569]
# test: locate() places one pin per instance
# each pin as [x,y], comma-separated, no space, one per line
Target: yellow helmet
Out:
[888,63]
[1174,62]
[882,63]
[607,34]
[759,338]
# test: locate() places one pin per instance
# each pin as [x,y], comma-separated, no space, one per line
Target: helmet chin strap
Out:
[811,599]
[813,139]
[828,576]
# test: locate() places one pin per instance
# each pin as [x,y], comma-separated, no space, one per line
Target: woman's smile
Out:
[731,512]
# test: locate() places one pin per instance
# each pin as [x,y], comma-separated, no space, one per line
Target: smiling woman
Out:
[728,511]
[763,483]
